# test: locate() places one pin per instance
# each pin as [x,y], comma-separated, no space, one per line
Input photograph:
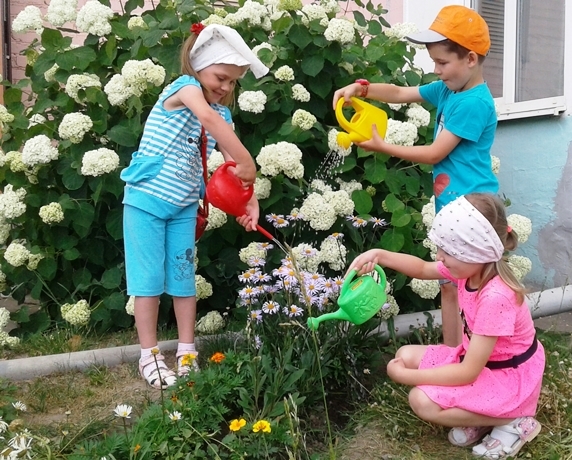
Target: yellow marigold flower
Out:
[217,357]
[261,425]
[136,448]
[187,359]
[237,424]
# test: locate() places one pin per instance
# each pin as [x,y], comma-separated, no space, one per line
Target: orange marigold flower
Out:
[190,384]
[261,425]
[217,357]
[136,448]
[174,398]
[237,424]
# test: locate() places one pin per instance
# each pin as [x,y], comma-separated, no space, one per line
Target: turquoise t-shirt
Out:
[470,115]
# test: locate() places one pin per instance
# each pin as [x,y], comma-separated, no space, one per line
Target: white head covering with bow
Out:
[463,232]
[218,44]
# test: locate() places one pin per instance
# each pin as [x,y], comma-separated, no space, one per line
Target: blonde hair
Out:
[187,68]
[493,209]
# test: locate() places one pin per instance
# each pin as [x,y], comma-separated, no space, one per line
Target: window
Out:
[525,66]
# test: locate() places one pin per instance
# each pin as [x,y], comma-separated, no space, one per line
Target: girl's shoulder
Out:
[181,81]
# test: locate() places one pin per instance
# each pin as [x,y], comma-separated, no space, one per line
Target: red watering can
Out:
[226,192]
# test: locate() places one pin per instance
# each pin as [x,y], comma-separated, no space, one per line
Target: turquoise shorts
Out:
[159,253]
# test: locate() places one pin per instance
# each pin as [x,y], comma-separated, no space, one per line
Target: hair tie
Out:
[197,28]
[508,228]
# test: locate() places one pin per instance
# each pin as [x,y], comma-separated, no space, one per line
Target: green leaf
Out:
[72,180]
[392,240]
[111,278]
[300,36]
[81,278]
[12,96]
[123,135]
[78,58]
[114,223]
[52,40]
[168,57]
[393,203]
[71,254]
[312,65]
[375,170]
[363,202]
[47,268]
[400,218]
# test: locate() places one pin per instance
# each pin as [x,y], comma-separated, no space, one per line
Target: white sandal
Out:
[523,430]
[160,377]
[463,436]
[187,361]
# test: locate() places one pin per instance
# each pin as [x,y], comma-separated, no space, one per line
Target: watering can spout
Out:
[358,129]
[313,323]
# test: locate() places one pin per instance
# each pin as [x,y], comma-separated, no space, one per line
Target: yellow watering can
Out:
[360,299]
[358,129]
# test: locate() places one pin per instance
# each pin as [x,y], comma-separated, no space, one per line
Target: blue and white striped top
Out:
[168,163]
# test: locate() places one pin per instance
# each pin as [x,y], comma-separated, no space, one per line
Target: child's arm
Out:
[408,265]
[250,218]
[383,92]
[428,154]
[192,97]
[464,373]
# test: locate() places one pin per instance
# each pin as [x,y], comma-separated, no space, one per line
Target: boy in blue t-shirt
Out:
[457,41]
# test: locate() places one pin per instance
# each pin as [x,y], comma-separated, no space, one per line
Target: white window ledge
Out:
[534,108]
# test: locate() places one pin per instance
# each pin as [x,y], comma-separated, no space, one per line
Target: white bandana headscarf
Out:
[464,233]
[218,44]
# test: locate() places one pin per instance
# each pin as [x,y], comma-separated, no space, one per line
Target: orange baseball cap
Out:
[459,24]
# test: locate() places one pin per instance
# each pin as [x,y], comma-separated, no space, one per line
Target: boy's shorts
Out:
[159,253]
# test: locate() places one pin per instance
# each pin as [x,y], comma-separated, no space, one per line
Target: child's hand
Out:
[375,144]
[250,218]
[346,92]
[246,172]
[365,262]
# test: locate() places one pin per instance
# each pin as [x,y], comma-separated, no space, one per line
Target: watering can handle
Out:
[349,279]
[352,274]
[342,120]
[382,277]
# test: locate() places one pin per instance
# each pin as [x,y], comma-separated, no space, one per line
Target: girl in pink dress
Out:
[492,380]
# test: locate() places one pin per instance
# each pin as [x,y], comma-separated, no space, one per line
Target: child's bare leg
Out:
[146,317]
[186,314]
[427,410]
[411,355]
[452,328]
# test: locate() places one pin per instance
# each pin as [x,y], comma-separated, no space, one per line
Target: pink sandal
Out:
[522,430]
[463,436]
[160,376]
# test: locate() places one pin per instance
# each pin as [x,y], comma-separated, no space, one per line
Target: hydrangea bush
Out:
[72,124]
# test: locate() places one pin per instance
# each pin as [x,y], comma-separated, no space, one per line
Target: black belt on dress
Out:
[515,361]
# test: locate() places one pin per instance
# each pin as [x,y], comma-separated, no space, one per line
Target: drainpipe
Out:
[544,303]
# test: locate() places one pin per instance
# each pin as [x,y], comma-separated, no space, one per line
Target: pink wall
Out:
[21,41]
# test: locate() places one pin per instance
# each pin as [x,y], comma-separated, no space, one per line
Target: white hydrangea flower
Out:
[495,162]
[217,218]
[266,46]
[299,93]
[390,309]
[8,340]
[30,18]
[33,261]
[130,306]
[262,188]
[117,90]
[401,30]
[74,126]
[284,73]
[3,287]
[251,13]
[395,106]
[341,202]
[331,6]
[77,314]
[50,74]
[138,74]
[303,119]
[340,30]
[210,323]
[136,22]
[252,101]
[426,289]
[5,116]
[61,11]
[93,18]
[77,82]
[253,250]
[400,132]
[214,19]
[313,11]
[39,150]
[4,313]
[36,119]
[349,187]
[522,225]
[320,186]
[418,115]
[12,202]
[14,159]
[320,214]
[334,146]
[214,160]
[98,162]
[281,157]
[520,266]
[427,243]
[428,213]
[16,254]
[333,252]
[51,213]
[204,288]
[4,232]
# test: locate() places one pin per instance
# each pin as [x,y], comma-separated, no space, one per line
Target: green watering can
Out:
[360,299]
